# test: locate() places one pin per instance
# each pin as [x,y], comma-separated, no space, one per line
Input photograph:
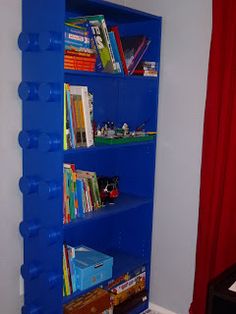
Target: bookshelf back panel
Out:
[113,12]
[121,100]
[133,165]
[126,233]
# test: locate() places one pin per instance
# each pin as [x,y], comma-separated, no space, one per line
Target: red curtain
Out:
[216,243]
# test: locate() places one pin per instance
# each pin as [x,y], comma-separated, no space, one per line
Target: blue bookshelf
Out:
[124,229]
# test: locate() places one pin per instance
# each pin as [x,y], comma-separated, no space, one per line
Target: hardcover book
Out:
[134,48]
[101,35]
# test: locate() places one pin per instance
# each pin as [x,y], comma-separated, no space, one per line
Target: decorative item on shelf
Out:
[84,267]
[125,287]
[147,68]
[109,134]
[108,187]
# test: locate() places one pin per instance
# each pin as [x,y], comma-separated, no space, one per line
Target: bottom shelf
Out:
[123,263]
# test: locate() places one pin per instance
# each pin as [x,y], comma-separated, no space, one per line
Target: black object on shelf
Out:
[220,299]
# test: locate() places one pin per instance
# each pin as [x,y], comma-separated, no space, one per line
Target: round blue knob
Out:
[48,190]
[53,236]
[29,184]
[50,41]
[31,271]
[29,229]
[49,92]
[28,139]
[28,91]
[53,280]
[31,309]
[28,42]
[48,142]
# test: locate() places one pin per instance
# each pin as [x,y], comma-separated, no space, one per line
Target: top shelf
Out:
[108,75]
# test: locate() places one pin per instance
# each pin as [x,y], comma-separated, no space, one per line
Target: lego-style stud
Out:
[28,91]
[28,139]
[28,42]
[31,309]
[53,236]
[29,185]
[31,271]
[29,229]
[49,142]
[48,190]
[53,280]
[49,92]
[50,41]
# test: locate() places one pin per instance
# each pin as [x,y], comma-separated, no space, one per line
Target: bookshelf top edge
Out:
[105,7]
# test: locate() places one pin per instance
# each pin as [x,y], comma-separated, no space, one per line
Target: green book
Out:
[100,33]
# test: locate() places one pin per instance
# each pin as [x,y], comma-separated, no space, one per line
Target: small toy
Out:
[108,187]
[125,128]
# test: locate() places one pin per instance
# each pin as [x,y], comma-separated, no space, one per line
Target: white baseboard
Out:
[159,309]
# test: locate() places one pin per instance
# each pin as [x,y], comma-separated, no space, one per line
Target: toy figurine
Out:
[108,187]
[125,128]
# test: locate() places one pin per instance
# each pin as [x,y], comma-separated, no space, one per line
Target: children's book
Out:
[100,32]
[115,29]
[119,67]
[76,37]
[84,23]
[82,91]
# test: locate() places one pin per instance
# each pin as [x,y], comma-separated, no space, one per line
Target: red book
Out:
[79,54]
[73,58]
[120,48]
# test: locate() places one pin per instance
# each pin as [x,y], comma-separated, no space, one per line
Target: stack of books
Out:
[79,51]
[147,68]
[91,46]
[81,193]
[78,115]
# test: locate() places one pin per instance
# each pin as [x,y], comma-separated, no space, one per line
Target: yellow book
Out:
[65,139]
[65,274]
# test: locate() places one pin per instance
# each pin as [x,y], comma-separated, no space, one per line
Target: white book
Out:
[83,92]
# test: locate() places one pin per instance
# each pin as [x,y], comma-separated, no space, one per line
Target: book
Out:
[82,22]
[119,67]
[76,37]
[83,92]
[116,32]
[134,48]
[69,117]
[100,32]
[138,57]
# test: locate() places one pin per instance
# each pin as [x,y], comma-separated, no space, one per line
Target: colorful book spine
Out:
[69,110]
[83,92]
[115,29]
[101,36]
[119,67]
[139,57]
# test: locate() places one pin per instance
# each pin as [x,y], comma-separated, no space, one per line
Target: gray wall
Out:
[186,33]
[10,157]
[185,48]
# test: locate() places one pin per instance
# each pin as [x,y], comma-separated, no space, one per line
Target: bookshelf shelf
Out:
[123,203]
[122,230]
[82,150]
[123,262]
[69,73]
